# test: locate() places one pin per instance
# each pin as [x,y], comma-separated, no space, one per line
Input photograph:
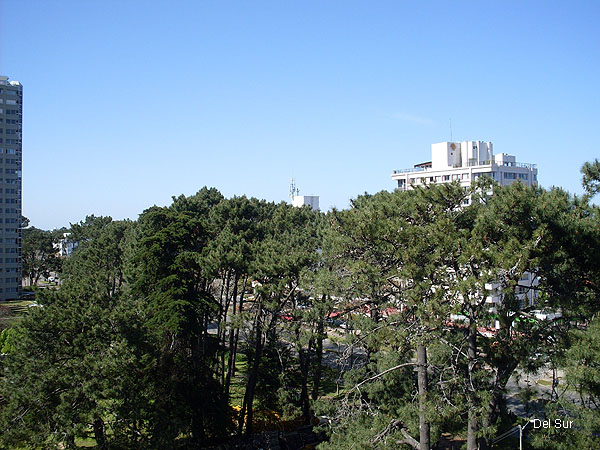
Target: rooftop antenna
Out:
[293,189]
[451,129]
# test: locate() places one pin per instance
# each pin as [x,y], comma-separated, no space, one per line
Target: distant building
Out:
[302,200]
[64,247]
[465,161]
[306,200]
[11,114]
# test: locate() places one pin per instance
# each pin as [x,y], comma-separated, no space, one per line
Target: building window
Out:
[510,176]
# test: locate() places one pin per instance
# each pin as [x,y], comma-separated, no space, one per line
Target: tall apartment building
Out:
[11,122]
[465,162]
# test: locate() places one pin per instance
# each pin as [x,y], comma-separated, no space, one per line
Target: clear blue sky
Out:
[127,103]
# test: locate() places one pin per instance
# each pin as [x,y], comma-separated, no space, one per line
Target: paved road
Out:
[542,391]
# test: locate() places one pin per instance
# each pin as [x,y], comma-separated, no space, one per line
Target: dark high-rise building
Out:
[11,126]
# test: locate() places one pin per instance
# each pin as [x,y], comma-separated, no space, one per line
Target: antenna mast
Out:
[293,189]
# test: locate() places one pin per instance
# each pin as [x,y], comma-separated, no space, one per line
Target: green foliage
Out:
[9,338]
[38,254]
[583,362]
[87,230]
[591,177]
[570,427]
[139,345]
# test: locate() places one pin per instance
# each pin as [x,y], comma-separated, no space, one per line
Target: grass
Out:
[238,382]
[85,443]
[11,311]
[329,387]
[17,307]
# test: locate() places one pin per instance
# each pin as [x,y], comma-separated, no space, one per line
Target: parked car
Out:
[546,315]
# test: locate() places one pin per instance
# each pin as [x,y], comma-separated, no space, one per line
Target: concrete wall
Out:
[306,200]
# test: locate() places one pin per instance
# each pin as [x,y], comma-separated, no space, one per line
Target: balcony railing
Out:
[470,164]
[516,164]
[412,169]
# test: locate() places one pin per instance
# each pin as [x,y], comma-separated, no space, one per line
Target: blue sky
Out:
[127,103]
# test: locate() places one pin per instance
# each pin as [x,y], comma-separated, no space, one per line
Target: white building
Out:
[64,247]
[306,200]
[465,162]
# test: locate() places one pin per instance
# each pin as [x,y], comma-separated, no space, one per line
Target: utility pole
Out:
[521,428]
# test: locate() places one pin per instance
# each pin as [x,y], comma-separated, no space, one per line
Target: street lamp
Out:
[521,428]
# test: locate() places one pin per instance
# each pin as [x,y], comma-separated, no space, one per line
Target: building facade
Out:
[64,247]
[11,126]
[306,200]
[465,162]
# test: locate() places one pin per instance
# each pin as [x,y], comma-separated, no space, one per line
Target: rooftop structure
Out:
[302,200]
[466,161]
[306,200]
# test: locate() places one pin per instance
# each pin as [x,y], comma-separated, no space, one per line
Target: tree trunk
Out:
[252,378]
[472,426]
[424,427]
[99,435]
[304,366]
[236,337]
[502,377]
[232,349]
[318,359]
[222,326]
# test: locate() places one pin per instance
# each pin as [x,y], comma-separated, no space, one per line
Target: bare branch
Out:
[408,439]
[379,375]
[393,426]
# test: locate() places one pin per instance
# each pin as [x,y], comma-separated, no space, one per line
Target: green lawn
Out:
[238,383]
[12,310]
